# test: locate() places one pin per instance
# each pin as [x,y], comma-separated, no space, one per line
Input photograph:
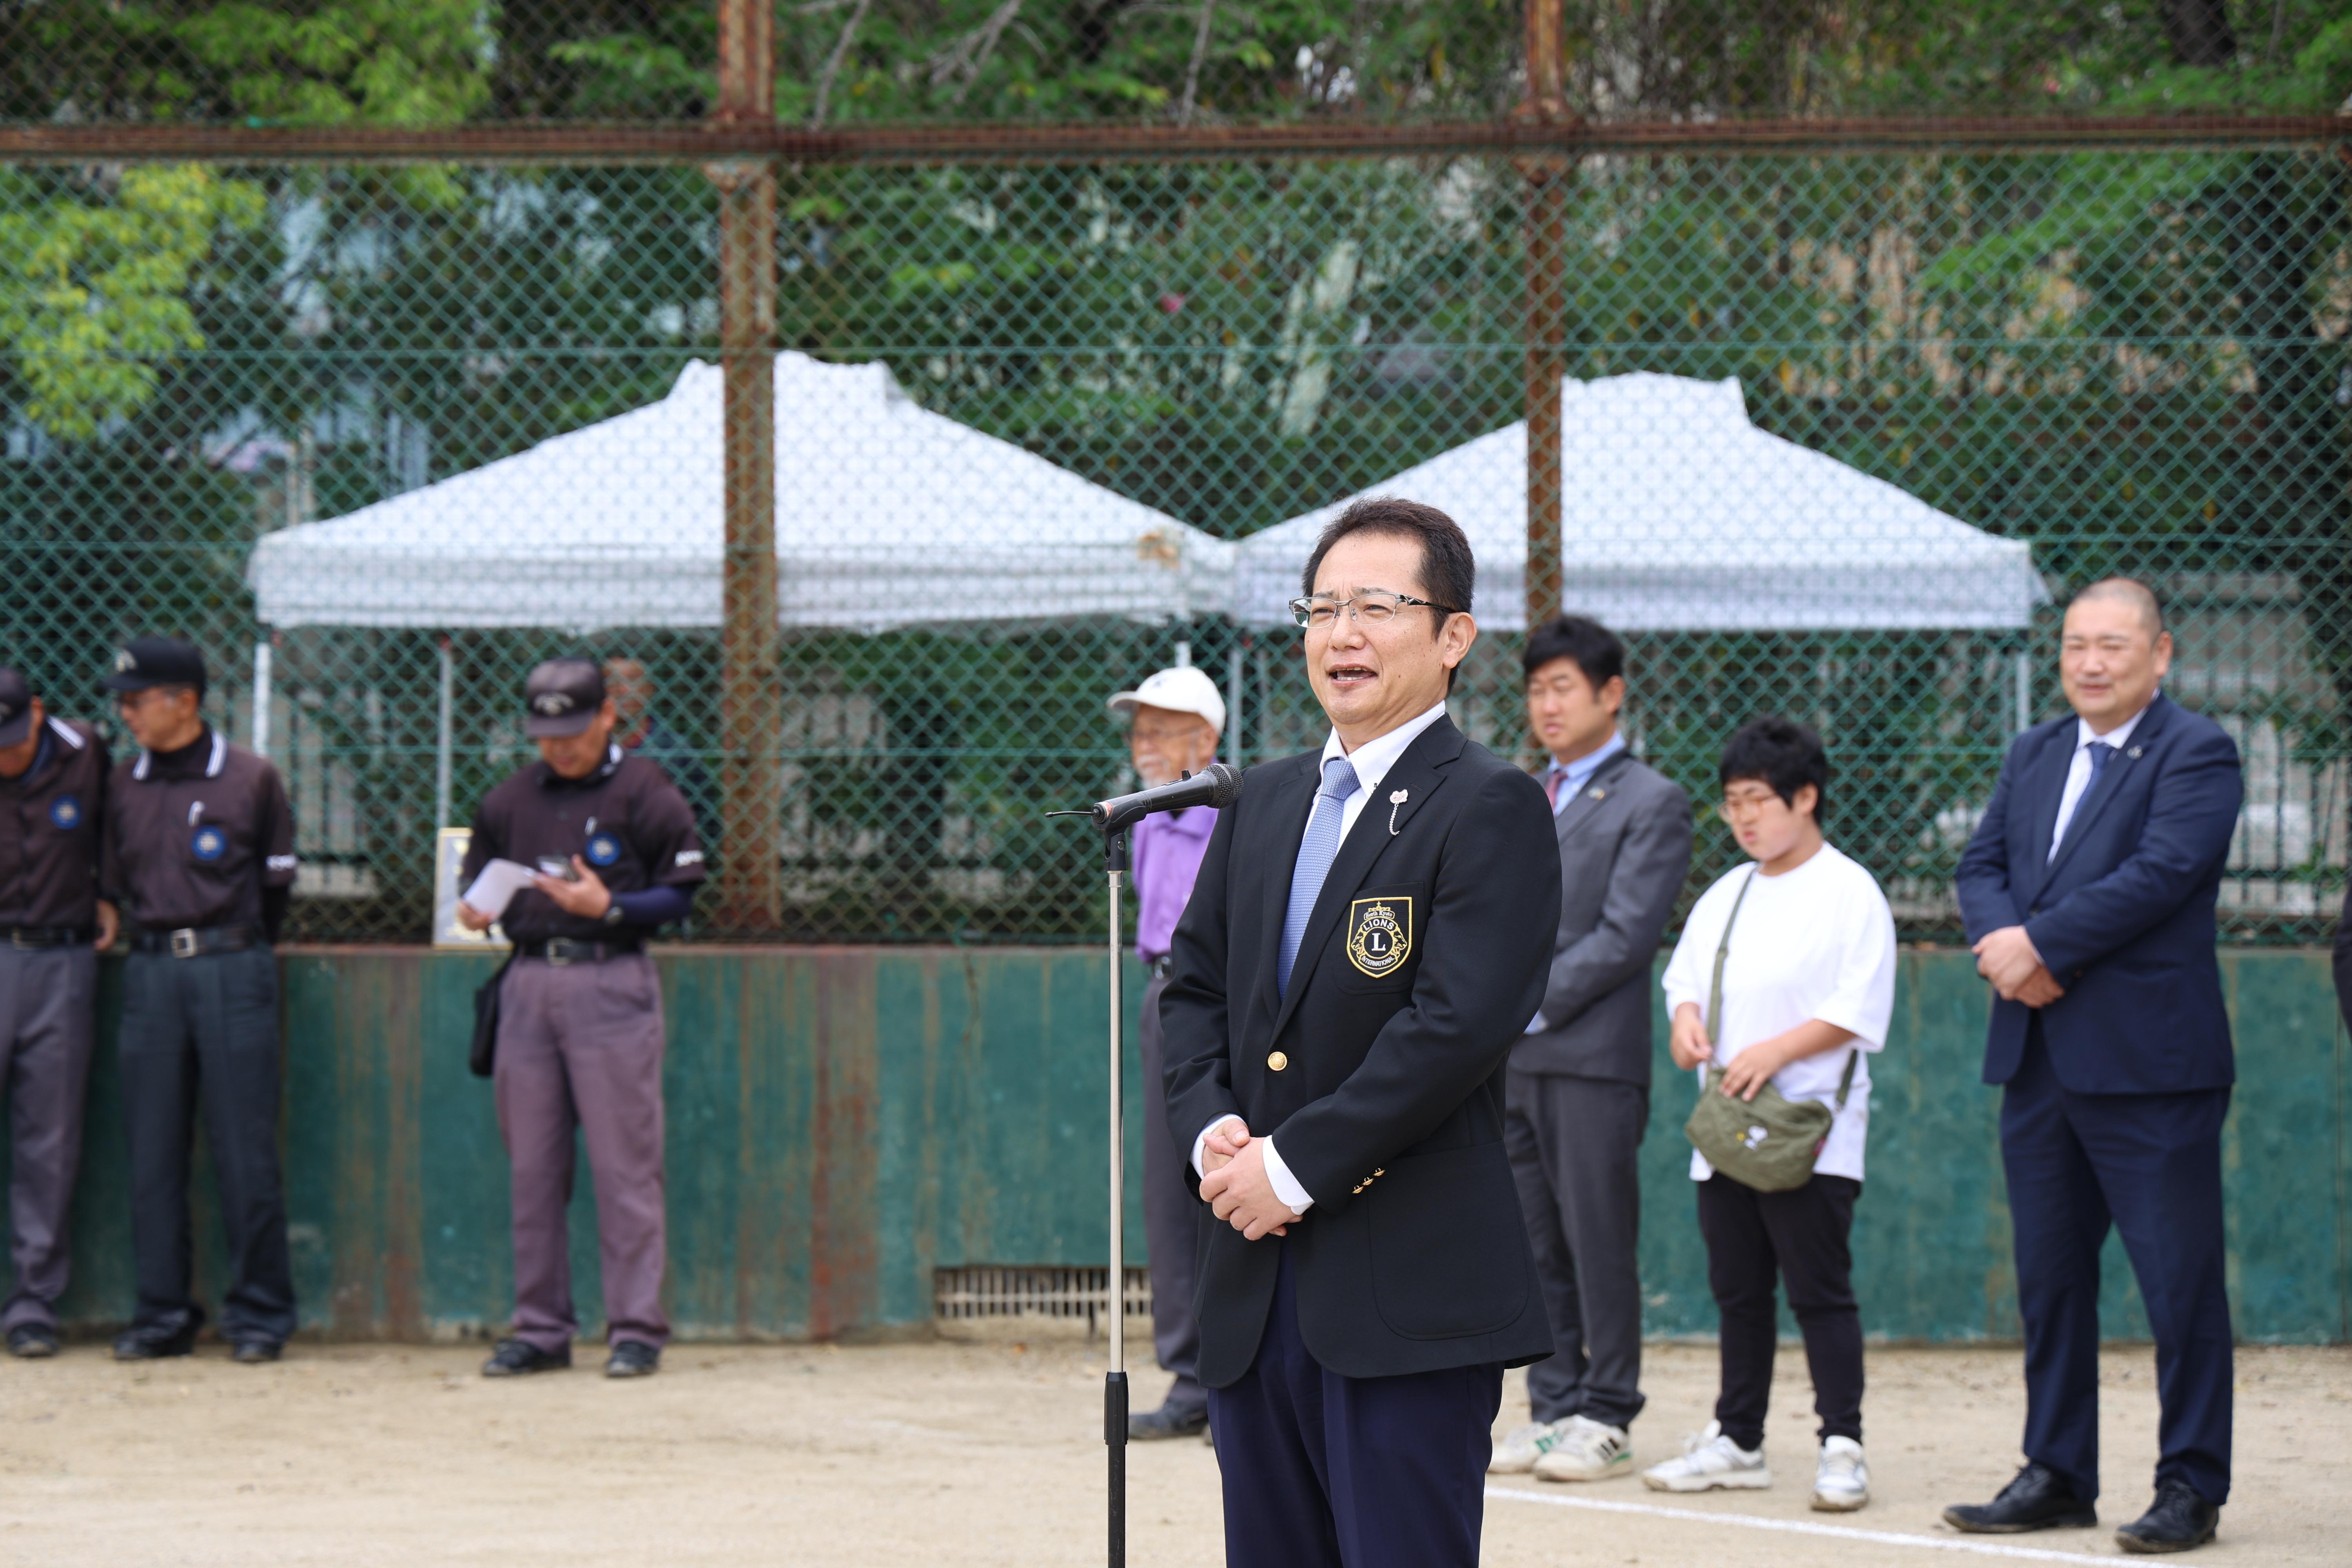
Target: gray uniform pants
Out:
[1171,1223]
[580,1046]
[1572,1144]
[202,1033]
[46,1000]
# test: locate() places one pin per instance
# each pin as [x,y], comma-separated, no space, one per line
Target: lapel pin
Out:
[1597,793]
[1396,803]
[2134,753]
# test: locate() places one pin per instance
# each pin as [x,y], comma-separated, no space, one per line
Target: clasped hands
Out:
[584,895]
[1236,1186]
[2009,958]
[1748,1072]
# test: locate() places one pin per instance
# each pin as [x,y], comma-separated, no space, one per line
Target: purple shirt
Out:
[1167,850]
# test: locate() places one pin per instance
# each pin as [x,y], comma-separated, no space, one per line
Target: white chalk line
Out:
[1796,1527]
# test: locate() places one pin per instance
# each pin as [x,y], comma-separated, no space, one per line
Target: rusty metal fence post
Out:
[750,706]
[1546,174]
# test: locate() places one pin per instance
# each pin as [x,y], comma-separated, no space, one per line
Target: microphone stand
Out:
[1217,785]
[1115,1381]
[1115,868]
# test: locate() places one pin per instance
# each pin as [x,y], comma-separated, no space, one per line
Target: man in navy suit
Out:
[2089,891]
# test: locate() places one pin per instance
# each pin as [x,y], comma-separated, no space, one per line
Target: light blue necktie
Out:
[1317,850]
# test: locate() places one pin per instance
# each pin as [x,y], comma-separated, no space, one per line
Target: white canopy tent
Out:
[1676,514]
[887,515]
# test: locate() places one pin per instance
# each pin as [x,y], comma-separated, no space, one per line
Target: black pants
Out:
[1575,1146]
[1800,1236]
[1327,1471]
[2150,1166]
[202,1033]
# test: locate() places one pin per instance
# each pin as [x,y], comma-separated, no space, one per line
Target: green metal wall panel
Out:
[843,1120]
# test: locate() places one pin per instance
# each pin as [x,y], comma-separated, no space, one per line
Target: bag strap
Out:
[1845,1079]
[1722,952]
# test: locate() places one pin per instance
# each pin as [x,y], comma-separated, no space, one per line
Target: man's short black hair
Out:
[1782,753]
[1449,572]
[1592,648]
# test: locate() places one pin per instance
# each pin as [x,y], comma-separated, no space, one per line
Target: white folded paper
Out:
[499,881]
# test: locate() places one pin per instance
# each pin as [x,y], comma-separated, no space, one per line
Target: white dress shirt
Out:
[1371,761]
[2078,771]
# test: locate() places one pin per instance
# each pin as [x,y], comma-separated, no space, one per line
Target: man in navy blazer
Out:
[2088,891]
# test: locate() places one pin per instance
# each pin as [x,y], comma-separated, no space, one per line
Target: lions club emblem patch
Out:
[209,844]
[65,812]
[1379,935]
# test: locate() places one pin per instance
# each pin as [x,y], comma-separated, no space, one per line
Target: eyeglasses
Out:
[1369,607]
[1735,807]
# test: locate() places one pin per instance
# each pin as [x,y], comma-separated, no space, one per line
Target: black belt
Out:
[561,950]
[197,942]
[49,936]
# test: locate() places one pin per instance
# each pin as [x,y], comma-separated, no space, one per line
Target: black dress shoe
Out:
[256,1352]
[2178,1519]
[2038,1499]
[633,1358]
[520,1358]
[1168,1421]
[34,1342]
[155,1342]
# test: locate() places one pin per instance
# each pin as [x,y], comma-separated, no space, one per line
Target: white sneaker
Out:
[1586,1450]
[1840,1479]
[1710,1461]
[1516,1454]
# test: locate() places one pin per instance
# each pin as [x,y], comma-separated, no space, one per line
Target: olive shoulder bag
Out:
[1768,1143]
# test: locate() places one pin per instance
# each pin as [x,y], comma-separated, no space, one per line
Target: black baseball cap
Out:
[144,662]
[561,698]
[16,707]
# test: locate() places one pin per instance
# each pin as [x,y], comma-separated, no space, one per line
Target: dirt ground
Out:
[987,1451]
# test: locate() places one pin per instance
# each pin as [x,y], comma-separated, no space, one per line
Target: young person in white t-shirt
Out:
[1809,984]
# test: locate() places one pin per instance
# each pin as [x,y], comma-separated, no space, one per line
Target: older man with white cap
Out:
[1177,717]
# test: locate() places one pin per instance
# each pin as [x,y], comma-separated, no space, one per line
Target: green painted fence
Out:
[843,1120]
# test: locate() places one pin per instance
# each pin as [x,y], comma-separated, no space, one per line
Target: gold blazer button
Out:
[1277,1061]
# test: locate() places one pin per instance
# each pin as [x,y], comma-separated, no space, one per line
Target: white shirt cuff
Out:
[1286,1185]
[1535,1025]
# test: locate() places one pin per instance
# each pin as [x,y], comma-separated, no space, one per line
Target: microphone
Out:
[1216,784]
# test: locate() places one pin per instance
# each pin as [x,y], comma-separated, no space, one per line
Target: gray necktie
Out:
[1317,850]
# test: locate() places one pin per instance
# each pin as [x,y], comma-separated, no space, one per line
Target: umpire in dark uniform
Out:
[580,1017]
[52,796]
[1368,937]
[199,853]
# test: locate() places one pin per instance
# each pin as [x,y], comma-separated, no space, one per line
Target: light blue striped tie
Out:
[1317,850]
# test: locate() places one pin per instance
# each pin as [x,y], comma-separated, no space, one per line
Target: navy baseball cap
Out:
[16,708]
[561,696]
[145,662]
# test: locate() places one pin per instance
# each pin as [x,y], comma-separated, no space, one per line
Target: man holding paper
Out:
[582,855]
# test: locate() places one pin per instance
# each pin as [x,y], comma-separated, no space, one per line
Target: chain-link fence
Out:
[1840,432]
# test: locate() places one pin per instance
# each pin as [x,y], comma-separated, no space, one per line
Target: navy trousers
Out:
[1326,1471]
[2150,1164]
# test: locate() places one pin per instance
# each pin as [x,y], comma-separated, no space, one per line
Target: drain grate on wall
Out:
[1005,1290]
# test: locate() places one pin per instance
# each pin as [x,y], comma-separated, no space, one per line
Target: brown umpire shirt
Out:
[49,819]
[626,819]
[193,836]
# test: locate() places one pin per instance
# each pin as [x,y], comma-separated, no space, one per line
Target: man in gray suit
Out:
[1578,1093]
